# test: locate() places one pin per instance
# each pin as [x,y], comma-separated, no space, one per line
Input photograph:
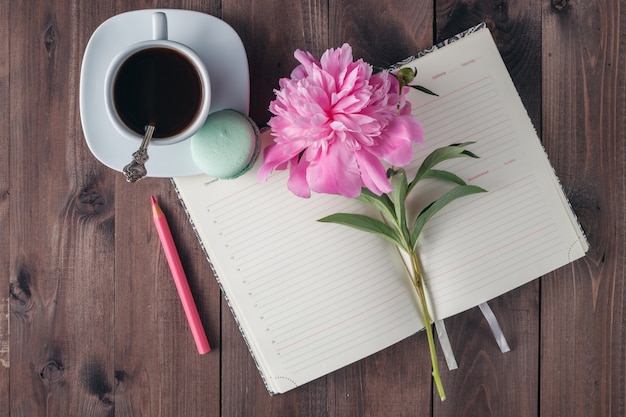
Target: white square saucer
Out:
[217,44]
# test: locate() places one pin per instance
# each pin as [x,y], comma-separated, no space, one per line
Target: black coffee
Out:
[157,86]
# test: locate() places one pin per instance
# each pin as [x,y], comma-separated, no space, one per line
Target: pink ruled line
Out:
[375,306]
[453,92]
[499,248]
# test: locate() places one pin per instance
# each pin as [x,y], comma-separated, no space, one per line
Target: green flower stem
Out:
[419,287]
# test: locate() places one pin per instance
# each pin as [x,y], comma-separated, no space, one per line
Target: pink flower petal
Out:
[335,173]
[373,174]
[274,156]
[336,60]
[297,182]
[396,144]
[307,61]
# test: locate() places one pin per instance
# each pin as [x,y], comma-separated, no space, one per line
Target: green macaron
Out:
[227,145]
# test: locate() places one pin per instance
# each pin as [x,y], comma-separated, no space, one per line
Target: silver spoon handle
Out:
[136,169]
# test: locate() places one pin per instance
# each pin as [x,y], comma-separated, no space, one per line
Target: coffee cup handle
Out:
[159,26]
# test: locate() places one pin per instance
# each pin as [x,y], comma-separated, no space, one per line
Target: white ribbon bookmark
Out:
[444,341]
[446,347]
[495,327]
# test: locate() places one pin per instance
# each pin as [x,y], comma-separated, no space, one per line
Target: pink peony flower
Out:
[334,121]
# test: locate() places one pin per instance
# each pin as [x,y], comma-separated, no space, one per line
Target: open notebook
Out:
[311,297]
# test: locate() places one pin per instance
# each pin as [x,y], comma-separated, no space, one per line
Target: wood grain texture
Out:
[95,327]
[5,238]
[583,326]
[61,316]
[271,32]
[490,382]
[386,34]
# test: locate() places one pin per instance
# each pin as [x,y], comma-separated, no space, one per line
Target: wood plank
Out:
[157,366]
[489,383]
[61,234]
[158,371]
[388,32]
[583,305]
[270,46]
[5,238]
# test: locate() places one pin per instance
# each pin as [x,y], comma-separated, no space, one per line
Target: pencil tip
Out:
[152,199]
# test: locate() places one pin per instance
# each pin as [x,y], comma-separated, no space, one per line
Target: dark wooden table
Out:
[90,323]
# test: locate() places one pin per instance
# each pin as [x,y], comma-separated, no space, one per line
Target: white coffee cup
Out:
[159,82]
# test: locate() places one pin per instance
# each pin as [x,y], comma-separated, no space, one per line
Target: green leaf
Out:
[436,206]
[470,154]
[439,155]
[367,224]
[445,176]
[399,188]
[424,90]
[381,203]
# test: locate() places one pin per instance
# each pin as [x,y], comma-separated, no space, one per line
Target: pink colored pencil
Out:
[173,260]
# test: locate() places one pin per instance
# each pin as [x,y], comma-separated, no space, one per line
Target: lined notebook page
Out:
[485,245]
[313,297]
[309,297]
